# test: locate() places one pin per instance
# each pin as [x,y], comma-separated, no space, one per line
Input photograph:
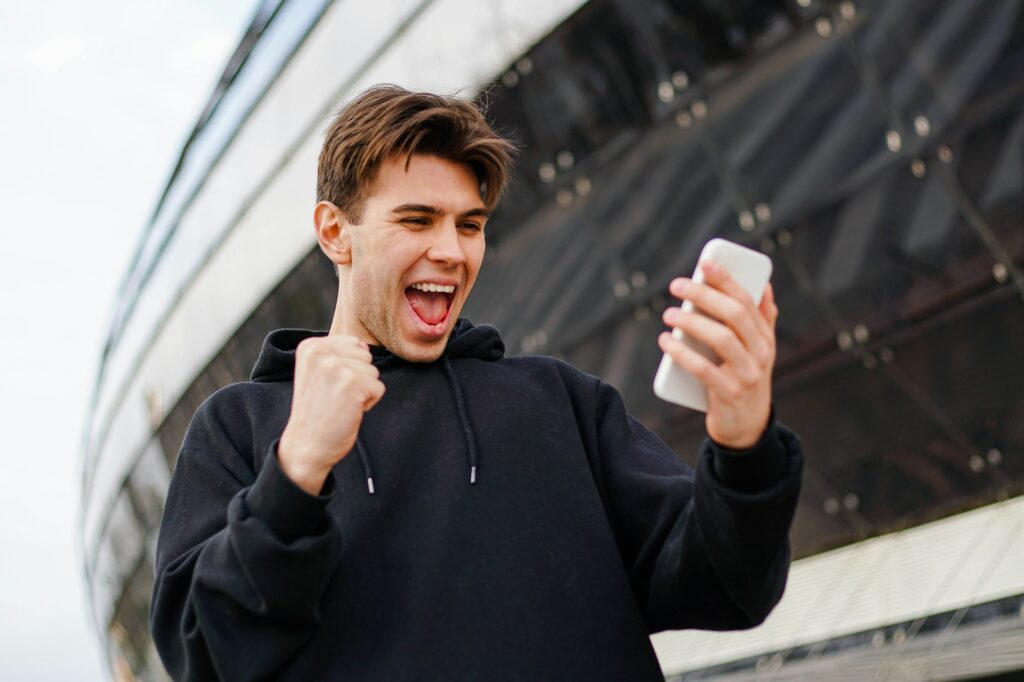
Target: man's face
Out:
[415,256]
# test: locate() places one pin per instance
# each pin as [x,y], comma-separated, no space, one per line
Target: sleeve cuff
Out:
[288,509]
[753,469]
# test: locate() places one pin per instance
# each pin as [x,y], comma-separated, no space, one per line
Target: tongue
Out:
[431,307]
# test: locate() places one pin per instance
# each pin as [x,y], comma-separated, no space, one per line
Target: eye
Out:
[415,221]
[472,227]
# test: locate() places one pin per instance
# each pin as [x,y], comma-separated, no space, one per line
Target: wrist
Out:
[739,443]
[304,472]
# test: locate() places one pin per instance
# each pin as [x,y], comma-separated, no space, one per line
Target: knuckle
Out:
[725,339]
[736,313]
[734,392]
[305,348]
[749,379]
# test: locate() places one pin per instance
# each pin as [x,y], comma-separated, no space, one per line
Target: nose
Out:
[446,245]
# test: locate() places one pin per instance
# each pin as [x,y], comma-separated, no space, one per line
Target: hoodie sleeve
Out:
[704,549]
[242,562]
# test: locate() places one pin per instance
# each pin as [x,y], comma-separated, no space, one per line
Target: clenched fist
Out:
[335,385]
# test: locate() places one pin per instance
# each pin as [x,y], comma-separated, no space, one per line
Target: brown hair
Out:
[387,121]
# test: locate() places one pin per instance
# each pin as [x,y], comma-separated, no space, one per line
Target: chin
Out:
[420,351]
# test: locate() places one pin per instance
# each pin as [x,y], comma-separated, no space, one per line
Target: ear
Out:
[332,232]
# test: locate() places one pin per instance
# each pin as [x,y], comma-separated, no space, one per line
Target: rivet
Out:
[684,119]
[945,154]
[763,212]
[666,93]
[524,66]
[563,197]
[878,639]
[510,79]
[621,289]
[680,80]
[886,355]
[899,636]
[844,340]
[767,245]
[784,237]
[994,457]
[918,168]
[831,506]
[893,141]
[638,279]
[746,220]
[1000,273]
[869,361]
[922,126]
[804,3]
[976,463]
[565,159]
[699,109]
[582,186]
[861,333]
[823,26]
[847,10]
[546,172]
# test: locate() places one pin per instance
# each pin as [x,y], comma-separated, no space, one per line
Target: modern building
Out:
[875,149]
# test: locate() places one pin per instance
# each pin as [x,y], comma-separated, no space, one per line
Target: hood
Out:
[276,361]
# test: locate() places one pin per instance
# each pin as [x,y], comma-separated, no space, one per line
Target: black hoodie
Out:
[500,519]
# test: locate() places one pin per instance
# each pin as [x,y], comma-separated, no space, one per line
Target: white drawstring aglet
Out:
[472,475]
[369,483]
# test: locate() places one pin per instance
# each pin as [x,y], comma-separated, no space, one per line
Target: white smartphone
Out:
[751,269]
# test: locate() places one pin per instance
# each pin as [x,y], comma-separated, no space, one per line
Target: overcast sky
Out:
[97,99]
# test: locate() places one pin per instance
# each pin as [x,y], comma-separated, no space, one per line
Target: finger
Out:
[719,338]
[769,309]
[374,392]
[711,376]
[359,366]
[336,344]
[350,346]
[718,276]
[740,315]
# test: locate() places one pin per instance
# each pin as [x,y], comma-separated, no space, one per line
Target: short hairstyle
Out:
[388,121]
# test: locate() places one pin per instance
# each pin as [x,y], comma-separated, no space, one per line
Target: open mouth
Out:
[431,302]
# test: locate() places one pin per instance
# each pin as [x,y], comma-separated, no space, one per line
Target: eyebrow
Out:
[434,210]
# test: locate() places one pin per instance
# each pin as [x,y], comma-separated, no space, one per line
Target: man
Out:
[397,500]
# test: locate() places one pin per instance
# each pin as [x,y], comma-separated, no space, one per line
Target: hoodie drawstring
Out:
[460,403]
[365,459]
[463,418]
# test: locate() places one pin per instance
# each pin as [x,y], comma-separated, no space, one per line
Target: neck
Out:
[340,324]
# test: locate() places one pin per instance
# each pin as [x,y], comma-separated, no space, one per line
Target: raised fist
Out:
[335,385]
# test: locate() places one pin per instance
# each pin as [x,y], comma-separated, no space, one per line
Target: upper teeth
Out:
[442,288]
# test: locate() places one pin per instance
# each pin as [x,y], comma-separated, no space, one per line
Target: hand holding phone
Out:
[719,356]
